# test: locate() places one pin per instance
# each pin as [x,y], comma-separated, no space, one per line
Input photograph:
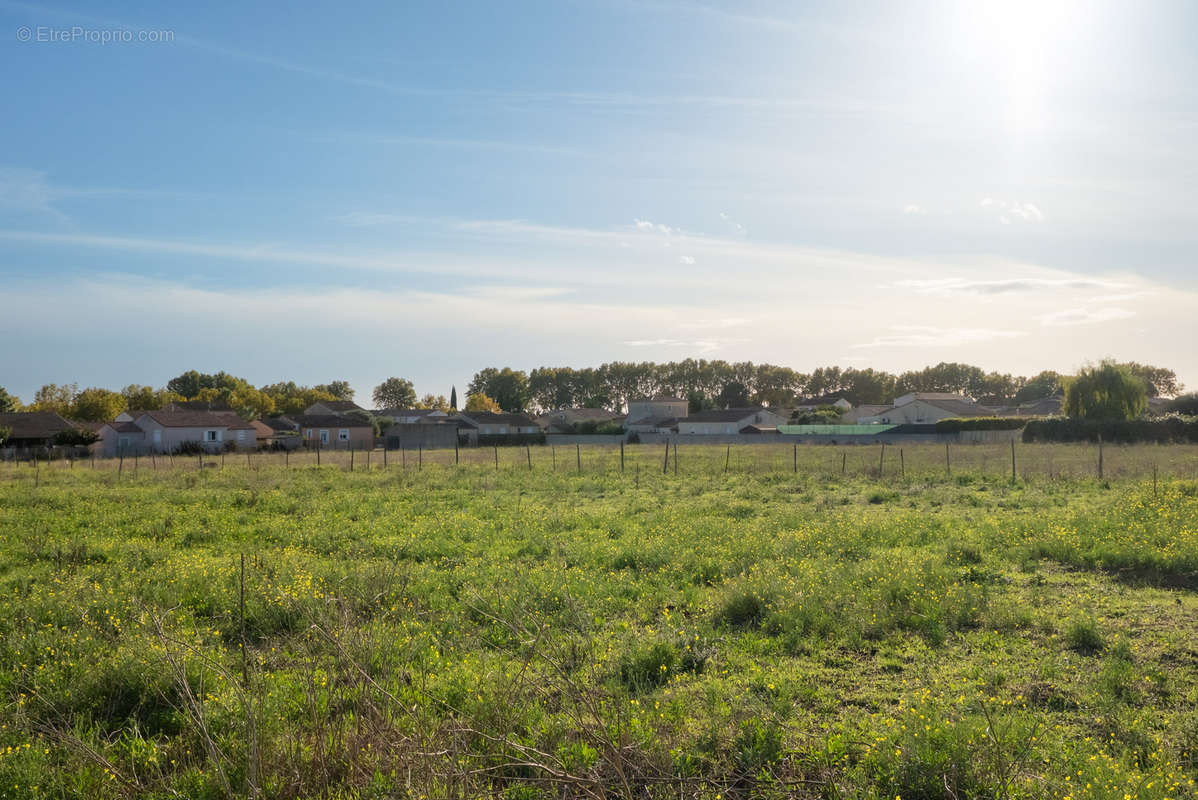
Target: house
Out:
[120,437]
[862,411]
[657,407]
[168,431]
[333,408]
[28,429]
[334,432]
[927,408]
[655,414]
[486,423]
[812,403]
[728,421]
[411,416]
[564,420]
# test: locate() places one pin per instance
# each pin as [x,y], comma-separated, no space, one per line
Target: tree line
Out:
[703,383]
[722,384]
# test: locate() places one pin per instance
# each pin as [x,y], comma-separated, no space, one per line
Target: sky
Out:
[425,189]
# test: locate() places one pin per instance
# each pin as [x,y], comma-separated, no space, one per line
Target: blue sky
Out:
[426,189]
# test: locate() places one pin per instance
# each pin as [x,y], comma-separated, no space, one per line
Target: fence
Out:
[920,462]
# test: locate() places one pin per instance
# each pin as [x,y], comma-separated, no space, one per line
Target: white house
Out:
[411,416]
[167,431]
[728,421]
[926,408]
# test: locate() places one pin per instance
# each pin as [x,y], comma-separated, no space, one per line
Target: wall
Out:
[571,438]
[420,436]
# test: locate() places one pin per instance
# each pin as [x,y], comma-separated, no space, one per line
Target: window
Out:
[343,435]
[157,436]
[241,436]
[324,437]
[307,433]
[211,436]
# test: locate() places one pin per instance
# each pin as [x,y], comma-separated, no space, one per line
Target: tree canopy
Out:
[480,402]
[1108,391]
[394,393]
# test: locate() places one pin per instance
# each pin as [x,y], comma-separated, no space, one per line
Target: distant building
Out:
[333,407]
[411,416]
[334,431]
[729,421]
[167,431]
[926,408]
[28,429]
[655,414]
[562,420]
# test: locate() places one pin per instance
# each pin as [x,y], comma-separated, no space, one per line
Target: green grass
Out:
[466,631]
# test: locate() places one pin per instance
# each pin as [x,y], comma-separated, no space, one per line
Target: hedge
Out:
[957,424]
[1161,430]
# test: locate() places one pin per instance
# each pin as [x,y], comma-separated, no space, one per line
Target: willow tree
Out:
[1108,391]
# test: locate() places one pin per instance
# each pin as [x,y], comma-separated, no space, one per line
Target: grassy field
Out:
[758,624]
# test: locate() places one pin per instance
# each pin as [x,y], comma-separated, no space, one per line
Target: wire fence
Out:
[1018,461]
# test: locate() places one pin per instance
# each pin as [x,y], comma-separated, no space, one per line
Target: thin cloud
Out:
[1011,211]
[686,260]
[914,209]
[1084,316]
[958,286]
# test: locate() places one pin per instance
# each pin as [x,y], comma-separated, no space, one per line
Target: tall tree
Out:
[480,402]
[1039,386]
[507,387]
[98,405]
[147,398]
[734,395]
[1159,381]
[435,402]
[453,398]
[53,397]
[394,393]
[339,389]
[8,402]
[1108,391]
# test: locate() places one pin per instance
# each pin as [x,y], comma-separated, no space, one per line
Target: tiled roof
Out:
[724,414]
[491,418]
[198,419]
[329,421]
[34,424]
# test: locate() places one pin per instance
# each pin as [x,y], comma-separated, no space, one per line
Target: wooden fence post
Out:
[496,456]
[528,455]
[665,465]
[675,457]
[1012,461]
[844,461]
[621,455]
[578,455]
[794,460]
[882,459]
[727,457]
[902,465]
[948,469]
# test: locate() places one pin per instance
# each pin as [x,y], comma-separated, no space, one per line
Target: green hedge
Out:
[1162,430]
[957,424]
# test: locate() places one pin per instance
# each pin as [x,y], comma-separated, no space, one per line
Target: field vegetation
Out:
[529,623]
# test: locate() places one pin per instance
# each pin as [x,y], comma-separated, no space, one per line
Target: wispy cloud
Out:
[1084,316]
[686,260]
[27,191]
[914,209]
[1012,211]
[697,345]
[736,226]
[929,336]
[957,286]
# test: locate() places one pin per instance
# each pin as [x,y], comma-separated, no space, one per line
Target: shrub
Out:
[957,424]
[1083,636]
[1162,430]
[744,609]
